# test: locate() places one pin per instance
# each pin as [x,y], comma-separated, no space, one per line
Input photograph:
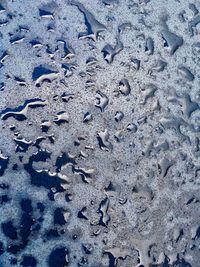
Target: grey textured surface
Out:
[100,128]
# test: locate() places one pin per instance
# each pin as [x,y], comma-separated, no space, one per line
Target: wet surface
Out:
[100,133]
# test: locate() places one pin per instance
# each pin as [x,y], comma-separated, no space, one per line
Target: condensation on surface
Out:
[100,133]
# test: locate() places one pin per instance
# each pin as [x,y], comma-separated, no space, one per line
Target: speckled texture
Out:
[100,128]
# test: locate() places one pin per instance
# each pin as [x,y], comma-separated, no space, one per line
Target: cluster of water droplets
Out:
[100,133]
